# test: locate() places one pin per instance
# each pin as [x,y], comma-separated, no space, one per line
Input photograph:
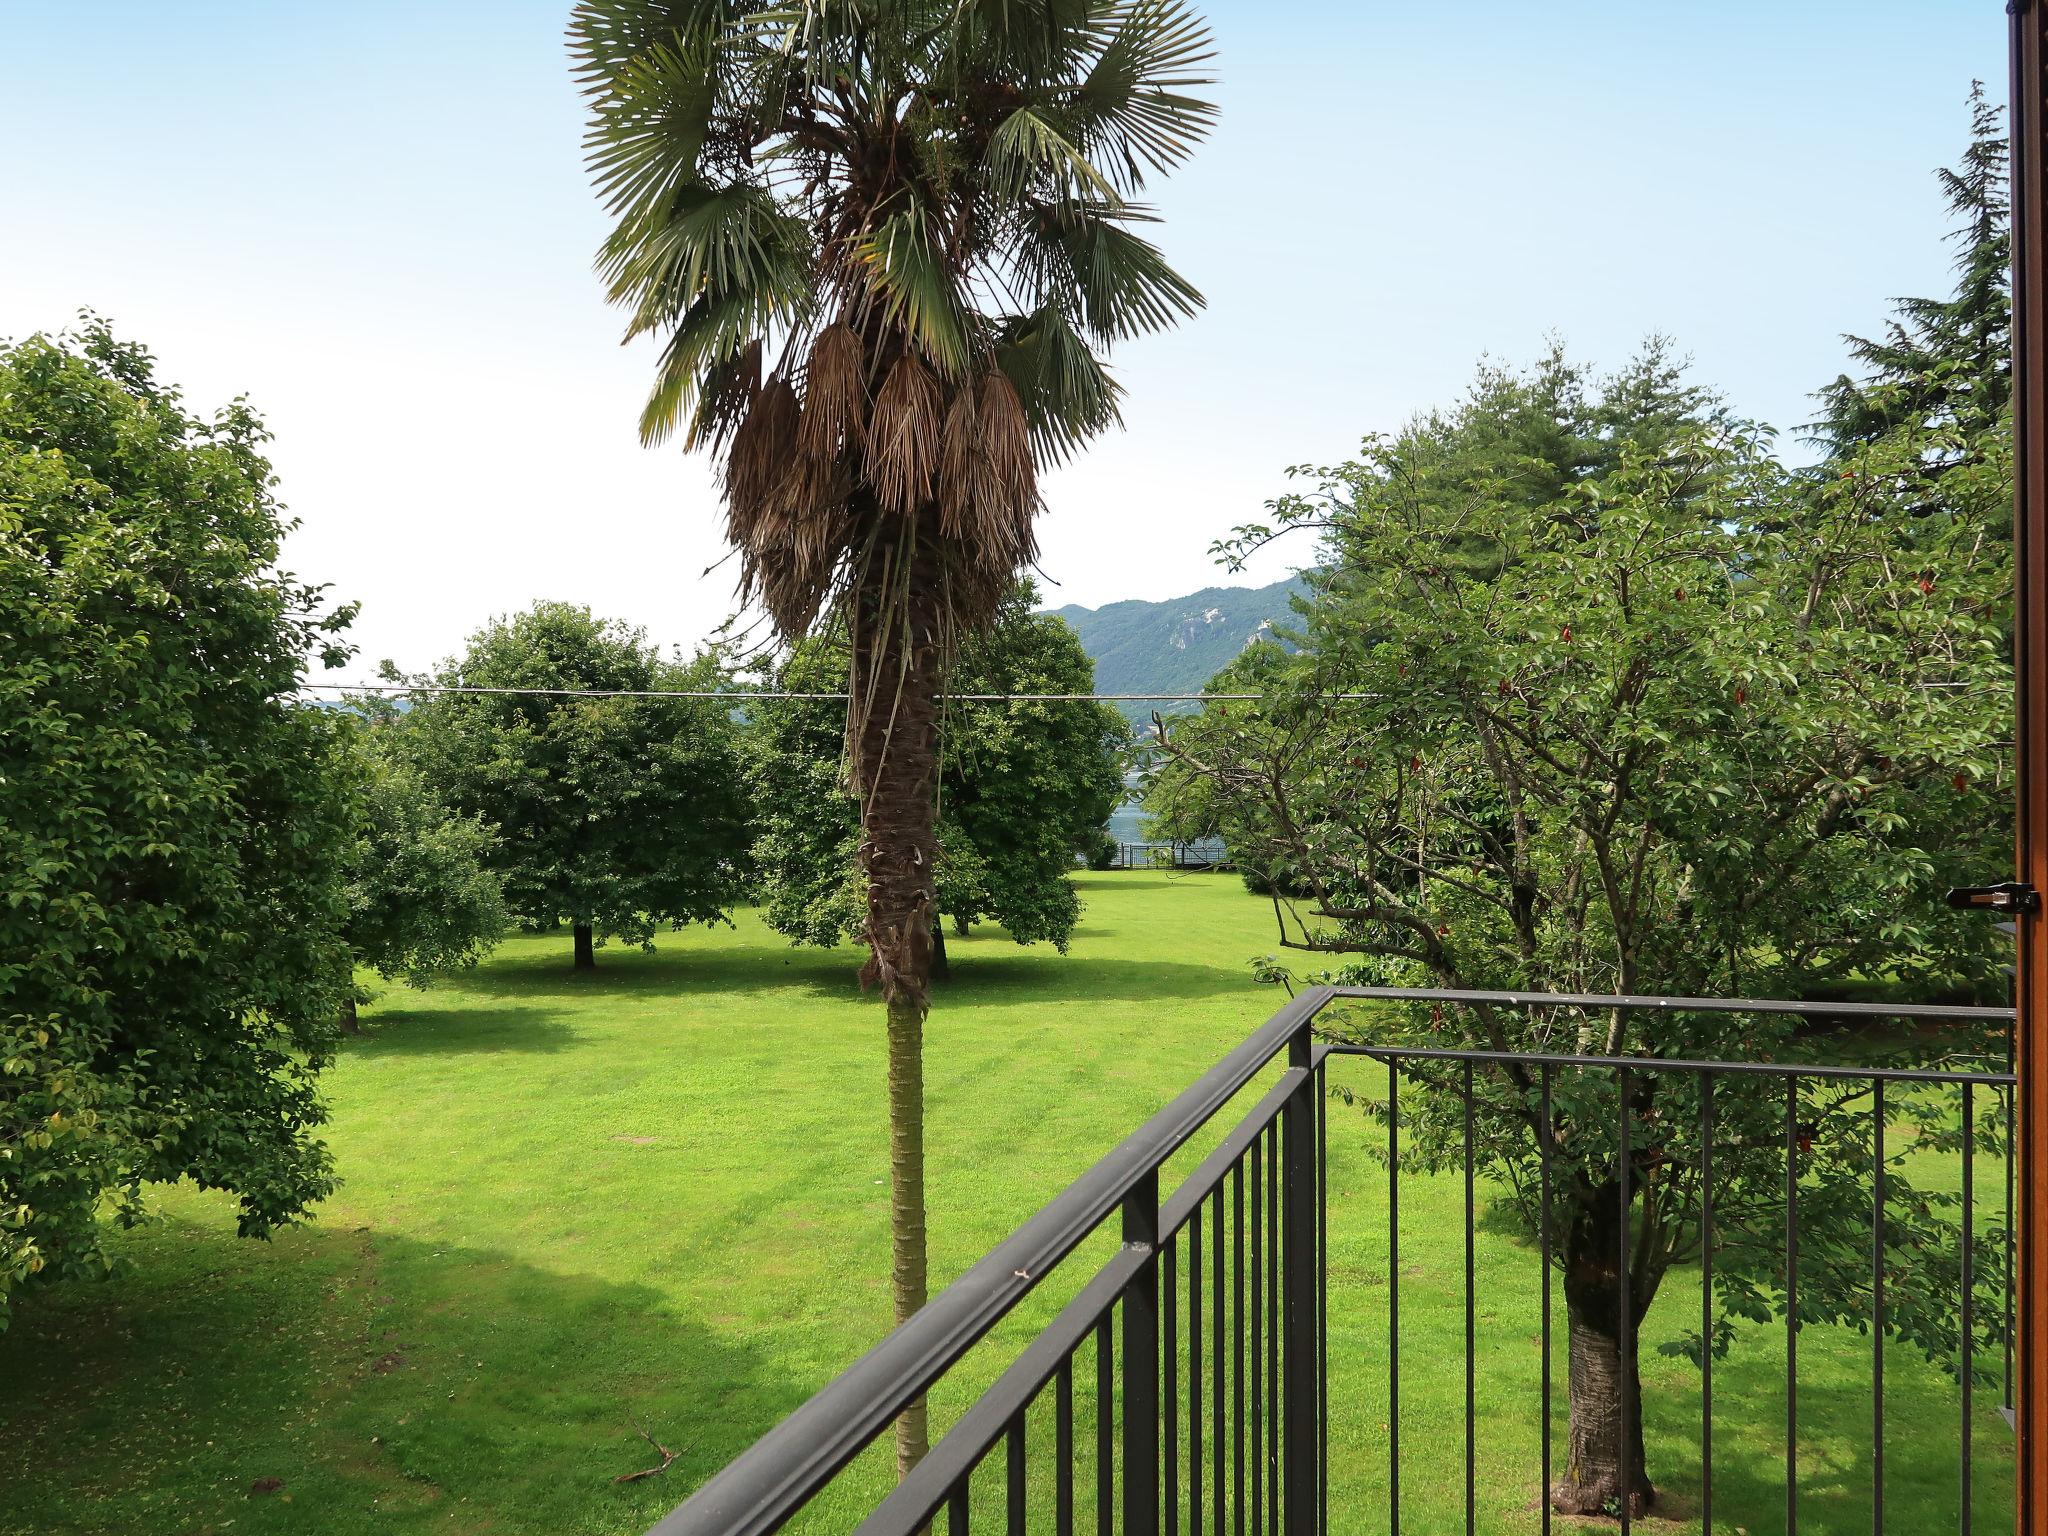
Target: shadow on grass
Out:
[1027,978]
[685,964]
[428,1031]
[988,970]
[382,1381]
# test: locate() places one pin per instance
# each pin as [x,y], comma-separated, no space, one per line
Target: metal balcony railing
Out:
[1201,1343]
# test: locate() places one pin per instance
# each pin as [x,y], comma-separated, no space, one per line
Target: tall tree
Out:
[614,813]
[1640,712]
[422,899]
[884,246]
[1024,787]
[1943,360]
[174,828]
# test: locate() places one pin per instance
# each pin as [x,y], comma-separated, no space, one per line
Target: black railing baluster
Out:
[1063,1450]
[1321,1301]
[1272,1390]
[1195,1371]
[956,1510]
[1393,1298]
[1543,1228]
[1791,1306]
[1013,1475]
[1105,1432]
[1626,1341]
[1219,1383]
[1298,1187]
[1877,1308]
[2005,1098]
[1169,1388]
[1966,1336]
[1237,1349]
[1141,1363]
[1256,1339]
[1706,1304]
[1471,1279]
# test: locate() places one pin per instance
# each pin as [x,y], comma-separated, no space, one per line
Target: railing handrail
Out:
[1822,1070]
[1958,1013]
[770,1481]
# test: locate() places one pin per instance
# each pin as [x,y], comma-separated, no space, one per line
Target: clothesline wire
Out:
[773,693]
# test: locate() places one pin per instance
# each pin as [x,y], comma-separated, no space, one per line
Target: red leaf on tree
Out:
[1961,781]
[1741,695]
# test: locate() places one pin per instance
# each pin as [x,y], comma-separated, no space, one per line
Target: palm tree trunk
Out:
[892,729]
[586,952]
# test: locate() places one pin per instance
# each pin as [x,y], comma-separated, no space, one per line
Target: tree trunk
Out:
[586,952]
[350,1025]
[907,1278]
[1606,1390]
[942,968]
[892,729]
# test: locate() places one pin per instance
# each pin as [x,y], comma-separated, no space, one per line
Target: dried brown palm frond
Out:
[988,484]
[763,451]
[904,436]
[1006,475]
[729,391]
[797,575]
[959,464]
[835,393]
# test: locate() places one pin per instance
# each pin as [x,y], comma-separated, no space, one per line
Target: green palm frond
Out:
[1122,281]
[1029,153]
[1133,110]
[649,120]
[711,333]
[904,268]
[1066,391]
[731,239]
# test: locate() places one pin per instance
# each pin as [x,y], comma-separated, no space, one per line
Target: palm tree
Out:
[884,245]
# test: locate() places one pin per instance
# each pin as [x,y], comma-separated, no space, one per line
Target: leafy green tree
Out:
[613,813]
[173,826]
[1025,788]
[884,248]
[1641,711]
[422,898]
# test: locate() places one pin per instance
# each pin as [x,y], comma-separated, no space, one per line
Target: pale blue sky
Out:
[373,219]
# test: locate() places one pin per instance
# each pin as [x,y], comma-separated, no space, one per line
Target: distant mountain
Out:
[1178,645]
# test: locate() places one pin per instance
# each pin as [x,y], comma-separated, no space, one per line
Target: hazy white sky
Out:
[373,220]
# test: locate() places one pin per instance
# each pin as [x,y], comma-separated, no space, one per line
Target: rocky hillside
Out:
[1178,645]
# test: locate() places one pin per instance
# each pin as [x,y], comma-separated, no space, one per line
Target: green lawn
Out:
[575,1206]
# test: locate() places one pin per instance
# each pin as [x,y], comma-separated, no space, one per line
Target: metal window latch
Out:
[2010,896]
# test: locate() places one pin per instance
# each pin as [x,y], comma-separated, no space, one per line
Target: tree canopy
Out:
[611,814]
[1596,695]
[174,827]
[422,899]
[1025,786]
